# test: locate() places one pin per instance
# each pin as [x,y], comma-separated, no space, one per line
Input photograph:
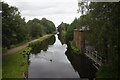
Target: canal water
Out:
[48,60]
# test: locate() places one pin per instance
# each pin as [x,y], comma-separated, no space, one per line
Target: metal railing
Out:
[97,58]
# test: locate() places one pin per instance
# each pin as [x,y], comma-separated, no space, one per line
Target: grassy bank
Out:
[16,65]
[4,50]
[43,38]
[40,39]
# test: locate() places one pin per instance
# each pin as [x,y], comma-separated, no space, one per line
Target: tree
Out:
[13,26]
[103,22]
[35,29]
[62,29]
[49,26]
[38,28]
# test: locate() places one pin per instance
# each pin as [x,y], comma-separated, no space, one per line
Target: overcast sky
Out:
[55,10]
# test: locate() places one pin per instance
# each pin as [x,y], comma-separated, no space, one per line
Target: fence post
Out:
[96,56]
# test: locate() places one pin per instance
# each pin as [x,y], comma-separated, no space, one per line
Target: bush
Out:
[74,48]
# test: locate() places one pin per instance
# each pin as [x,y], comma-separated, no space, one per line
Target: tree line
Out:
[62,28]
[15,30]
[103,21]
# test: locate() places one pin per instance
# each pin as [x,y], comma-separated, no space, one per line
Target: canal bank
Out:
[14,64]
[81,63]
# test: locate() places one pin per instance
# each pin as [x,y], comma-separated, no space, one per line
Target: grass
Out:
[44,37]
[4,50]
[14,65]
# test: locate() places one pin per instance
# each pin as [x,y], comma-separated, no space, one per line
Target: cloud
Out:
[55,10]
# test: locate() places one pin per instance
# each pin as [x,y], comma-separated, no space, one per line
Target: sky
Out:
[55,10]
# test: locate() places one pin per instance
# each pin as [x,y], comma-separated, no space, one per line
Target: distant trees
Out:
[38,28]
[34,27]
[48,26]
[70,30]
[15,30]
[62,28]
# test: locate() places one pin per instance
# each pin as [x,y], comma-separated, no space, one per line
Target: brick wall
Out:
[79,40]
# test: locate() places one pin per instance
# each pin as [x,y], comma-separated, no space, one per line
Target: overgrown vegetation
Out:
[74,48]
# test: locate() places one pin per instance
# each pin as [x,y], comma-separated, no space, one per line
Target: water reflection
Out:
[51,63]
[61,38]
[42,45]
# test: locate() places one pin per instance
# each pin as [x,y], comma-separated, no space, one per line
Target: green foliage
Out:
[13,67]
[104,35]
[104,29]
[38,28]
[62,29]
[74,48]
[70,30]
[34,27]
[13,26]
[48,26]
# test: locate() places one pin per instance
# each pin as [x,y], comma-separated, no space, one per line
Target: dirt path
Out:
[14,50]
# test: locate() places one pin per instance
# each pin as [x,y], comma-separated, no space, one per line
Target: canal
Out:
[48,60]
